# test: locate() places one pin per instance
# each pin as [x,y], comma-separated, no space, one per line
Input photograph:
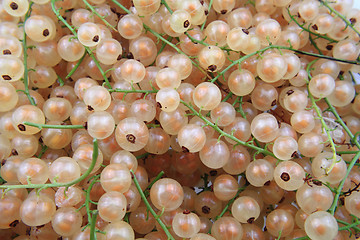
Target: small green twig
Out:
[163,226]
[76,66]
[57,185]
[26,70]
[41,126]
[98,14]
[88,50]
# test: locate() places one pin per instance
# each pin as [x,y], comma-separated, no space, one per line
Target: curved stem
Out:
[88,50]
[221,132]
[57,185]
[76,66]
[163,226]
[323,123]
[332,10]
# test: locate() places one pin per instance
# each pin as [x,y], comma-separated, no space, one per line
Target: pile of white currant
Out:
[179,119]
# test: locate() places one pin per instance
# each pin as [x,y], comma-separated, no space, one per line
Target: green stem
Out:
[307,30]
[230,202]
[57,185]
[148,29]
[163,226]
[146,191]
[88,50]
[132,91]
[92,226]
[280,47]
[26,70]
[76,66]
[41,126]
[221,132]
[339,120]
[341,185]
[349,225]
[209,9]
[97,14]
[323,123]
[332,10]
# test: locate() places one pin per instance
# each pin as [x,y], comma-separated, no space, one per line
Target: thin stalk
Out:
[221,132]
[349,225]
[26,70]
[323,123]
[76,66]
[341,185]
[57,185]
[41,126]
[163,226]
[88,50]
[97,14]
[209,9]
[332,10]
[280,47]
[230,202]
[92,226]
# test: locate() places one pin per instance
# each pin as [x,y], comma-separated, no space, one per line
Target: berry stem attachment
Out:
[163,226]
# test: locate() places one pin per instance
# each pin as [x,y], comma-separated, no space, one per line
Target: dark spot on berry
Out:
[185,149]
[41,226]
[90,108]
[251,220]
[129,56]
[294,154]
[329,47]
[285,176]
[113,9]
[273,103]
[202,2]
[14,152]
[352,21]
[3,162]
[41,140]
[186,23]
[119,57]
[290,92]
[85,125]
[96,38]
[245,31]
[6,77]
[14,6]
[205,209]
[206,12]
[21,127]
[267,183]
[158,105]
[6,52]
[213,173]
[223,11]
[131,138]
[46,32]
[212,68]
[186,212]
[14,223]
[128,207]
[315,27]
[317,182]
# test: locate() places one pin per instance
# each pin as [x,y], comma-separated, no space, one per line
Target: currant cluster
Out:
[179,119]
